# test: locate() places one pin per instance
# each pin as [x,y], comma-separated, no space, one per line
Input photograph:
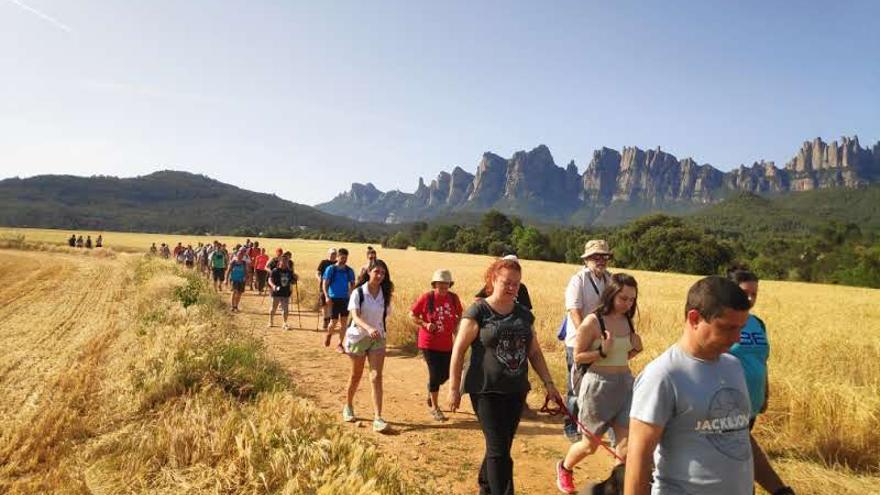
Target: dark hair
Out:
[387,285]
[497,266]
[740,276]
[710,296]
[342,251]
[615,285]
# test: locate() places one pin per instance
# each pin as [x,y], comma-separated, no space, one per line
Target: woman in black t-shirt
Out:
[502,341]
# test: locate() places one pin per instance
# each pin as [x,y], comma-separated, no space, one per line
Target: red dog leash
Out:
[561,409]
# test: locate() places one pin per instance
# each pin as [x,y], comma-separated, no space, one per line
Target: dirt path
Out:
[442,456]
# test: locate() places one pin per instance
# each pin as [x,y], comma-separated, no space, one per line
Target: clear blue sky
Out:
[303,98]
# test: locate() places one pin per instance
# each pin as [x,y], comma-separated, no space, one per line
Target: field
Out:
[822,428]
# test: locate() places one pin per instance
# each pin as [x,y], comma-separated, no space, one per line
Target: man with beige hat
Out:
[582,297]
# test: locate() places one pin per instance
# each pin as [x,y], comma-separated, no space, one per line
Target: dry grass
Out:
[158,398]
[823,426]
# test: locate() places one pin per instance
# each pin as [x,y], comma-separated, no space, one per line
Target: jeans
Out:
[570,428]
[499,416]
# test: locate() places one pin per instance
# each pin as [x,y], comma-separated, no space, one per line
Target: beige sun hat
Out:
[596,246]
[442,276]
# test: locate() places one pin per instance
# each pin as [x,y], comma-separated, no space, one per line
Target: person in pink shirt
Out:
[437,312]
[260,272]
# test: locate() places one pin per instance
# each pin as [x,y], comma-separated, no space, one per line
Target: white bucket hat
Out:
[442,276]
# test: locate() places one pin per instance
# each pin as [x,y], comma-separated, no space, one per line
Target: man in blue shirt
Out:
[753,350]
[338,281]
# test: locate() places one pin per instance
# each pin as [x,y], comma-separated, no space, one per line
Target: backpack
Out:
[237,272]
[578,370]
[333,272]
[453,295]
[360,299]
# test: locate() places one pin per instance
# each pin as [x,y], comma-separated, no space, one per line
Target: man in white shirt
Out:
[582,296]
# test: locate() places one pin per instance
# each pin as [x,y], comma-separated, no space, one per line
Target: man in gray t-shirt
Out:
[690,408]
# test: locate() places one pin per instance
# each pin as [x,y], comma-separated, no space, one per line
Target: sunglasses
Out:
[600,257]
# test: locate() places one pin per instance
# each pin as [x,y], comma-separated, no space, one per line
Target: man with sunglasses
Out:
[582,297]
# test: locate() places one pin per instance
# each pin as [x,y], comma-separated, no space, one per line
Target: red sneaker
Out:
[564,479]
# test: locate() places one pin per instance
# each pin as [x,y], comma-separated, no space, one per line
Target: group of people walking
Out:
[689,414]
[78,242]
[682,426]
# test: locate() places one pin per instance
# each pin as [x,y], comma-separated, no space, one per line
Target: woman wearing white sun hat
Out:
[437,313]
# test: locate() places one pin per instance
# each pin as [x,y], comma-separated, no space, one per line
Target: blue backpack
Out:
[237,273]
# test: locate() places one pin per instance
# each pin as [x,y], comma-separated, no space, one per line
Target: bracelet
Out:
[602,353]
[785,490]
[549,383]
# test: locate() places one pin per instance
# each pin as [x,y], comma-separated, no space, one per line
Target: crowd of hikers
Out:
[76,241]
[683,426]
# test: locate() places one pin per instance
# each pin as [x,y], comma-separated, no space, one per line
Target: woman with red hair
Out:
[501,336]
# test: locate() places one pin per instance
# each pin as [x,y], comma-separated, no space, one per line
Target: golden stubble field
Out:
[823,423]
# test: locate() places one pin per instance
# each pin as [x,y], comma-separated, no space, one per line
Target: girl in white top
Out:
[365,339]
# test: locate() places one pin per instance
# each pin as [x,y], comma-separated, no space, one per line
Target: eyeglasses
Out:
[596,257]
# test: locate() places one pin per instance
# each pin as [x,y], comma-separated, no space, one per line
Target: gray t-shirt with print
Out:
[704,409]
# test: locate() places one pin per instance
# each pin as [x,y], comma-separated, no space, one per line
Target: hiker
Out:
[274,261]
[218,268]
[189,257]
[606,341]
[88,242]
[369,305]
[753,350]
[280,281]
[165,252]
[437,313]
[99,242]
[364,273]
[582,297]
[236,275]
[178,251]
[253,252]
[153,250]
[338,280]
[522,297]
[322,300]
[502,340]
[79,241]
[260,272]
[690,407]
[72,241]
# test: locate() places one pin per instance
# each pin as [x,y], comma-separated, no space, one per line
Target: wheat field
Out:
[822,428]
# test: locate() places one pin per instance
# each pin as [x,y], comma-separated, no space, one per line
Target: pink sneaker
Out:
[564,479]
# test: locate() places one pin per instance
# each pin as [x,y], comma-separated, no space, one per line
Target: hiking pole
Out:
[296,287]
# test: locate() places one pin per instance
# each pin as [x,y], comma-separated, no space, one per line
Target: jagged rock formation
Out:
[632,181]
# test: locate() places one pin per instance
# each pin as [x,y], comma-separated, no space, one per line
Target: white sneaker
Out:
[348,414]
[379,425]
[285,327]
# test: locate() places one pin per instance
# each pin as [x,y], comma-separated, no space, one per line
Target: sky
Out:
[301,99]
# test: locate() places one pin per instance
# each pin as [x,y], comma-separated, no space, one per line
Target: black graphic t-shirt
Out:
[281,278]
[499,355]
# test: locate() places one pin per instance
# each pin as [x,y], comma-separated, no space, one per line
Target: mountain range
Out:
[615,187]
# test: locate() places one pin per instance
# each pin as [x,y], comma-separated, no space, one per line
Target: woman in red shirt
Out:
[437,313]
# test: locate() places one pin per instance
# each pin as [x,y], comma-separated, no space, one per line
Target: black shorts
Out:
[238,286]
[219,274]
[340,308]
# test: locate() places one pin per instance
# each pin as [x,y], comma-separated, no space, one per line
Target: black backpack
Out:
[580,369]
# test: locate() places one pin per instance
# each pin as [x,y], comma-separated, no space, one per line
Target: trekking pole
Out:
[296,287]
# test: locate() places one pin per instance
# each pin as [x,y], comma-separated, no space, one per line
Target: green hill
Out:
[165,201]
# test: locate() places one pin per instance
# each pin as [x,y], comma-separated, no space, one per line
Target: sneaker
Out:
[285,327]
[564,479]
[438,415]
[340,349]
[379,425]
[348,414]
